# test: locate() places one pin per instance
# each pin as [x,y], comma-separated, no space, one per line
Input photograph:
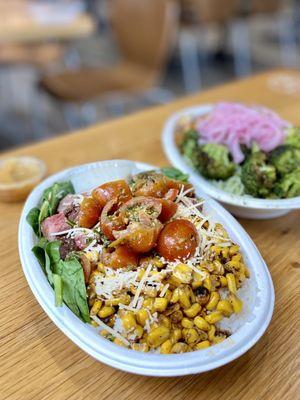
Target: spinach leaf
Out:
[44,261]
[55,193]
[174,173]
[58,289]
[33,220]
[74,290]
[48,257]
[50,200]
[52,250]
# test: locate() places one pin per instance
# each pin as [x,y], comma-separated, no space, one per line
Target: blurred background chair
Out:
[145,32]
[100,58]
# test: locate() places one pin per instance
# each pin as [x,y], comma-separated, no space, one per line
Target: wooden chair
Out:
[145,31]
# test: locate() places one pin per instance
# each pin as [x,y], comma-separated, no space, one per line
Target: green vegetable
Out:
[285,158]
[74,290]
[293,137]
[258,177]
[174,173]
[50,200]
[289,185]
[33,220]
[55,193]
[214,161]
[48,257]
[190,148]
[58,289]
[66,277]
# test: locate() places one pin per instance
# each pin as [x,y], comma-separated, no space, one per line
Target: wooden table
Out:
[18,25]
[39,362]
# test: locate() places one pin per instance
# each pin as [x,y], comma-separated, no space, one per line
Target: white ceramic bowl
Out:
[253,321]
[241,206]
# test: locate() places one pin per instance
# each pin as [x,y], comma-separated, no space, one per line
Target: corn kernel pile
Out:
[168,307]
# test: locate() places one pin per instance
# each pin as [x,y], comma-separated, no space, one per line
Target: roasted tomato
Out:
[178,240]
[139,237]
[154,184]
[86,266]
[169,209]
[110,220]
[171,194]
[141,209]
[89,212]
[112,190]
[121,257]
[140,215]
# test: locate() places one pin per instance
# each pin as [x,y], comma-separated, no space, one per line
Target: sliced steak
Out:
[70,206]
[55,223]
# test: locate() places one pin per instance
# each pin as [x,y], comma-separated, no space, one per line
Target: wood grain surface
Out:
[38,362]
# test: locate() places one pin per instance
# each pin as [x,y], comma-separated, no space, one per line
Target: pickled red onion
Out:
[233,124]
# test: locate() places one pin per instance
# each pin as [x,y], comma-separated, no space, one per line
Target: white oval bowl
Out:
[241,206]
[253,321]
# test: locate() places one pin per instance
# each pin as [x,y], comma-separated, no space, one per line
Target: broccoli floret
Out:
[293,137]
[214,161]
[285,158]
[289,185]
[190,148]
[257,175]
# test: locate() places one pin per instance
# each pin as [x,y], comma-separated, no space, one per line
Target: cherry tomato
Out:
[142,209]
[168,210]
[171,194]
[111,221]
[154,184]
[89,212]
[111,190]
[149,184]
[139,237]
[121,257]
[86,266]
[178,240]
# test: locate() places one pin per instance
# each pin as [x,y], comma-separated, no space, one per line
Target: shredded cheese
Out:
[112,331]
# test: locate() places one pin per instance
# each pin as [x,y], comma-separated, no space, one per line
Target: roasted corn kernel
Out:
[201,323]
[106,312]
[236,303]
[166,347]
[193,310]
[231,283]
[187,323]
[213,301]
[202,345]
[225,307]
[157,336]
[214,317]
[160,304]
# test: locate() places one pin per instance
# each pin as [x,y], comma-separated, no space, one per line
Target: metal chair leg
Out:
[287,40]
[189,61]
[239,33]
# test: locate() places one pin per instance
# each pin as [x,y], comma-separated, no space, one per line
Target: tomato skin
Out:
[171,194]
[110,222]
[169,209]
[120,258]
[138,237]
[89,212]
[156,185]
[111,190]
[178,240]
[86,266]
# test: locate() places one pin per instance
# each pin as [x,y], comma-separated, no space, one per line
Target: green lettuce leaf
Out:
[55,193]
[74,290]
[50,200]
[33,220]
[174,173]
